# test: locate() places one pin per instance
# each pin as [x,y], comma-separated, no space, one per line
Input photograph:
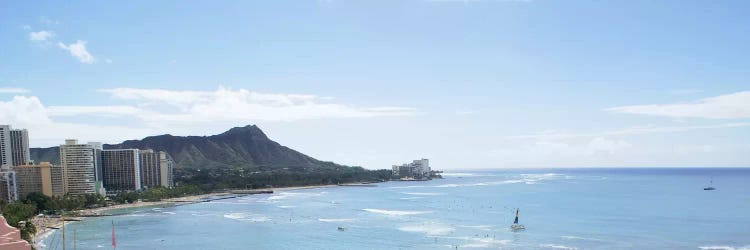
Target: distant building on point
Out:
[416,170]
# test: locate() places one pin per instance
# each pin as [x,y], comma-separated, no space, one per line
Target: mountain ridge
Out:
[241,147]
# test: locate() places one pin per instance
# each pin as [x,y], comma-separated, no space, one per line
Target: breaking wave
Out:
[428,229]
[474,242]
[423,194]
[724,248]
[246,217]
[554,246]
[567,237]
[336,220]
[395,212]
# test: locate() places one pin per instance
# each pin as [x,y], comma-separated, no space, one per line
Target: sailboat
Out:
[710,187]
[516,226]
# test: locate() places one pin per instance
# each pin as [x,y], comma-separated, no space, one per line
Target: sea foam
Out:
[336,220]
[428,228]
[395,212]
[555,246]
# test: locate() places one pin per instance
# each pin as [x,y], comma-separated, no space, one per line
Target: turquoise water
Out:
[562,209]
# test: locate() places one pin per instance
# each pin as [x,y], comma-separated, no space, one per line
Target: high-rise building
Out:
[78,168]
[166,167]
[156,169]
[417,169]
[98,171]
[8,189]
[35,178]
[150,169]
[19,147]
[57,183]
[121,170]
[6,158]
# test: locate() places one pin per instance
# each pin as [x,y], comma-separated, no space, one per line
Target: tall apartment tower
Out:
[6,158]
[8,189]
[19,147]
[166,167]
[78,168]
[156,169]
[121,170]
[150,169]
[98,169]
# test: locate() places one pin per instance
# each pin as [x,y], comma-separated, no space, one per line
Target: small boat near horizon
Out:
[517,227]
[710,186]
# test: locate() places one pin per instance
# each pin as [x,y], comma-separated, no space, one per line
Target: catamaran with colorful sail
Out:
[516,226]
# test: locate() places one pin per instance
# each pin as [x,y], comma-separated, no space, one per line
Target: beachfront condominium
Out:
[418,169]
[19,147]
[150,174]
[36,178]
[156,169]
[166,167]
[121,170]
[79,163]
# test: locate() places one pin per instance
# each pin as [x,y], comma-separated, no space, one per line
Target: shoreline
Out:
[47,225]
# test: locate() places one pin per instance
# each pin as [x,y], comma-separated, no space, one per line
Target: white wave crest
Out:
[474,242]
[460,174]
[287,195]
[480,227]
[554,246]
[567,237]
[724,248]
[336,220]
[423,194]
[395,212]
[246,217]
[415,186]
[168,212]
[428,229]
[412,198]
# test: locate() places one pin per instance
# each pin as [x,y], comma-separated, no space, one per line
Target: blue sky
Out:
[468,84]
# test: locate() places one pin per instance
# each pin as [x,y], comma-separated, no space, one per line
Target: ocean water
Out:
[561,209]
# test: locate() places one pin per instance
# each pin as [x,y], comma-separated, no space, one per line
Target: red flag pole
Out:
[114,243]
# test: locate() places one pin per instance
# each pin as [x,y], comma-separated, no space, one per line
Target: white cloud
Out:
[78,50]
[730,106]
[41,36]
[159,111]
[28,112]
[92,110]
[225,105]
[13,90]
[630,131]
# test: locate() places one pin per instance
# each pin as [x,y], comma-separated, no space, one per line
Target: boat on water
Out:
[710,187]
[517,227]
[342,229]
